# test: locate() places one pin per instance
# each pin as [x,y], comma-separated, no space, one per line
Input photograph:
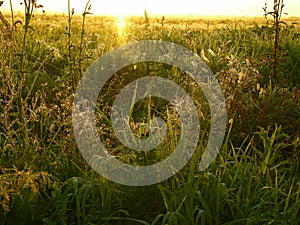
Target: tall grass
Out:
[44,179]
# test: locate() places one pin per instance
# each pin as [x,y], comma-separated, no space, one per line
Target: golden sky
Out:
[166,7]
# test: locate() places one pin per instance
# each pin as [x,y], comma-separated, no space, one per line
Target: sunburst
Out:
[121,24]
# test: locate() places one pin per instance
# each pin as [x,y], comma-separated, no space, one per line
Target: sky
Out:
[165,7]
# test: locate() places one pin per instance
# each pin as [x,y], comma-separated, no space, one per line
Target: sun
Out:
[121,25]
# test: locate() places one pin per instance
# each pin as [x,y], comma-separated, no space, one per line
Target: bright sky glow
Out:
[165,7]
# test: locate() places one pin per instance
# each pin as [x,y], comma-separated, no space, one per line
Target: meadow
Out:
[255,179]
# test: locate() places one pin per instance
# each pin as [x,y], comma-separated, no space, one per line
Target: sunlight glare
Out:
[121,24]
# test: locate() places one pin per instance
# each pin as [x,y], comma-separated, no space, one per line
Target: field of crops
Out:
[255,178]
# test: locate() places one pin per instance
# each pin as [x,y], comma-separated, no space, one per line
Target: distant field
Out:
[194,22]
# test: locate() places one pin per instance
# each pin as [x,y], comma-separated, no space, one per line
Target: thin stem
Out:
[276,24]
[69,27]
[70,14]
[278,8]
[86,11]
[12,16]
[29,7]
